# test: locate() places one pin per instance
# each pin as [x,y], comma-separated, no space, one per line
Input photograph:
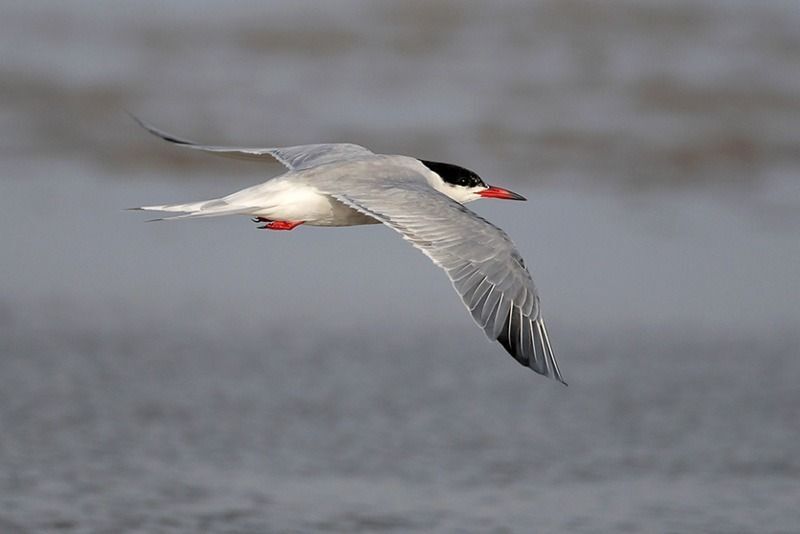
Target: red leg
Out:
[282,225]
[276,225]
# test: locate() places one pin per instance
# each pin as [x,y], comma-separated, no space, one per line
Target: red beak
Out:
[499,192]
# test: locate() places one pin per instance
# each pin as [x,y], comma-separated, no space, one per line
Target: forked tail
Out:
[195,210]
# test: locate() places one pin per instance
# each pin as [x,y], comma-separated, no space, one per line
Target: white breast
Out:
[287,200]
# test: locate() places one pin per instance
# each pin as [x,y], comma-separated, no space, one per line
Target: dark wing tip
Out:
[527,341]
[159,133]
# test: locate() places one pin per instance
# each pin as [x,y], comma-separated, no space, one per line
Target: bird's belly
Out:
[313,208]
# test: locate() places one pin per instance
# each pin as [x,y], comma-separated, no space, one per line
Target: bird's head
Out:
[463,185]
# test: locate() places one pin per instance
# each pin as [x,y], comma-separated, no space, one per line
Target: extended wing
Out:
[294,158]
[481,261]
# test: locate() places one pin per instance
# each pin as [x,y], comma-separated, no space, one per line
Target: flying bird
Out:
[341,184]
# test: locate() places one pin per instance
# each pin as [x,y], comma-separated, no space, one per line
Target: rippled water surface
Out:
[207,377]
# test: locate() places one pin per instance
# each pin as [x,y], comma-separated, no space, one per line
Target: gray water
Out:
[208,377]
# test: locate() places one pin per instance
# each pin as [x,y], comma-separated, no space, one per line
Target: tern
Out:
[342,184]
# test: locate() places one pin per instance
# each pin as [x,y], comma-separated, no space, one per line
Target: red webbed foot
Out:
[276,225]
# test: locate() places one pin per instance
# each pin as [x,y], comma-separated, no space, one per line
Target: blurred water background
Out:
[205,376]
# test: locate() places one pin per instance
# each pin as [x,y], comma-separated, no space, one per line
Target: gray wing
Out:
[293,157]
[479,258]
